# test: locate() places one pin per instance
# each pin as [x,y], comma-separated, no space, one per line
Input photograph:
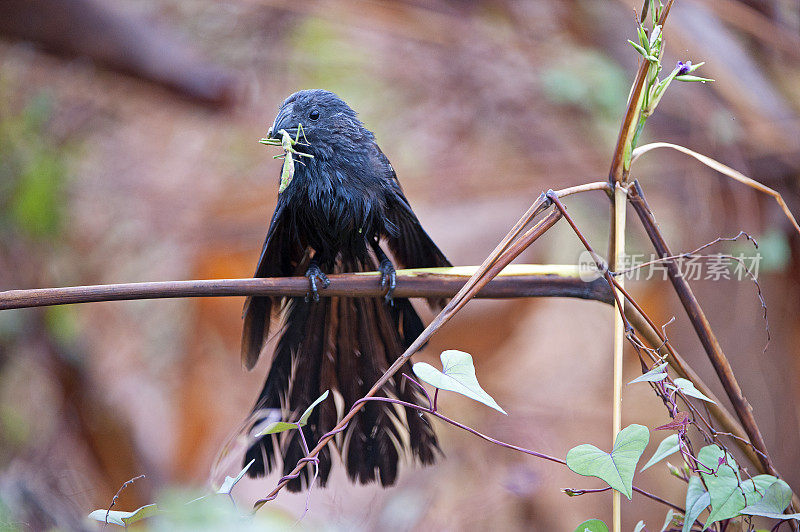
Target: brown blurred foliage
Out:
[107,177]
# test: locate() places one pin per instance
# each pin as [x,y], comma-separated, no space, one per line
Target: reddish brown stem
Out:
[617,173]
[703,329]
[575,493]
[503,254]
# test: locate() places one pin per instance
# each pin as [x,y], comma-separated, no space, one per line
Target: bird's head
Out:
[325,120]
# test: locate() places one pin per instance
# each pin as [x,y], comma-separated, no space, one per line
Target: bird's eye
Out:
[314,114]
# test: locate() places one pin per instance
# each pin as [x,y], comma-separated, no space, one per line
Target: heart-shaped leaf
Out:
[697,500]
[727,499]
[755,488]
[617,467]
[668,445]
[283,426]
[776,498]
[654,375]
[230,482]
[124,518]
[457,375]
[688,388]
[592,525]
[729,494]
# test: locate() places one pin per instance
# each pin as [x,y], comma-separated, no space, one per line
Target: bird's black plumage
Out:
[338,208]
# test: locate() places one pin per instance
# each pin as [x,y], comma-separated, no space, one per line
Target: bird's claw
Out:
[314,274]
[388,278]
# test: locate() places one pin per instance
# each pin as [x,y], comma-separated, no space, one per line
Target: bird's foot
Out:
[315,275]
[388,278]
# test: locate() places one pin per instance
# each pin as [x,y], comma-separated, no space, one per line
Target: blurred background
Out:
[128,152]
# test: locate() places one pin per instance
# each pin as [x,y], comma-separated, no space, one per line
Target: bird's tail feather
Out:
[343,345]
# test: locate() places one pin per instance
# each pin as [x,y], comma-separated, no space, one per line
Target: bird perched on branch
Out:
[338,202]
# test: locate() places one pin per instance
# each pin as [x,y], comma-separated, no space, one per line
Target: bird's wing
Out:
[271,262]
[275,261]
[409,243]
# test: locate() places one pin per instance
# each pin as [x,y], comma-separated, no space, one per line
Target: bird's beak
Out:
[282,121]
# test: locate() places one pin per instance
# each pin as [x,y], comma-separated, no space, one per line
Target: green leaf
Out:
[656,36]
[639,526]
[676,472]
[615,468]
[687,387]
[695,67]
[755,488]
[668,520]
[654,375]
[795,516]
[727,499]
[124,518]
[283,426]
[729,494]
[276,427]
[457,375]
[644,42]
[697,500]
[626,155]
[592,525]
[661,89]
[638,48]
[655,12]
[310,409]
[669,445]
[689,77]
[776,498]
[230,482]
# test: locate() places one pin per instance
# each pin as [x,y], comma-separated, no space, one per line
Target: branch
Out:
[432,411]
[435,413]
[528,281]
[507,250]
[618,173]
[703,329]
[644,326]
[520,280]
[659,341]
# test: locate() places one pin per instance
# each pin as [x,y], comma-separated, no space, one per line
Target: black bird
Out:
[331,218]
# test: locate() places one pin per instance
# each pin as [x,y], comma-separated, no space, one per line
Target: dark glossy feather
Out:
[336,206]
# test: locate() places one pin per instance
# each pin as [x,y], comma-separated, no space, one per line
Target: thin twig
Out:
[694,255]
[502,255]
[464,427]
[703,328]
[688,254]
[119,492]
[723,169]
[576,493]
[446,419]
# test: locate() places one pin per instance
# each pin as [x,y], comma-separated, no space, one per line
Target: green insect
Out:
[288,143]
